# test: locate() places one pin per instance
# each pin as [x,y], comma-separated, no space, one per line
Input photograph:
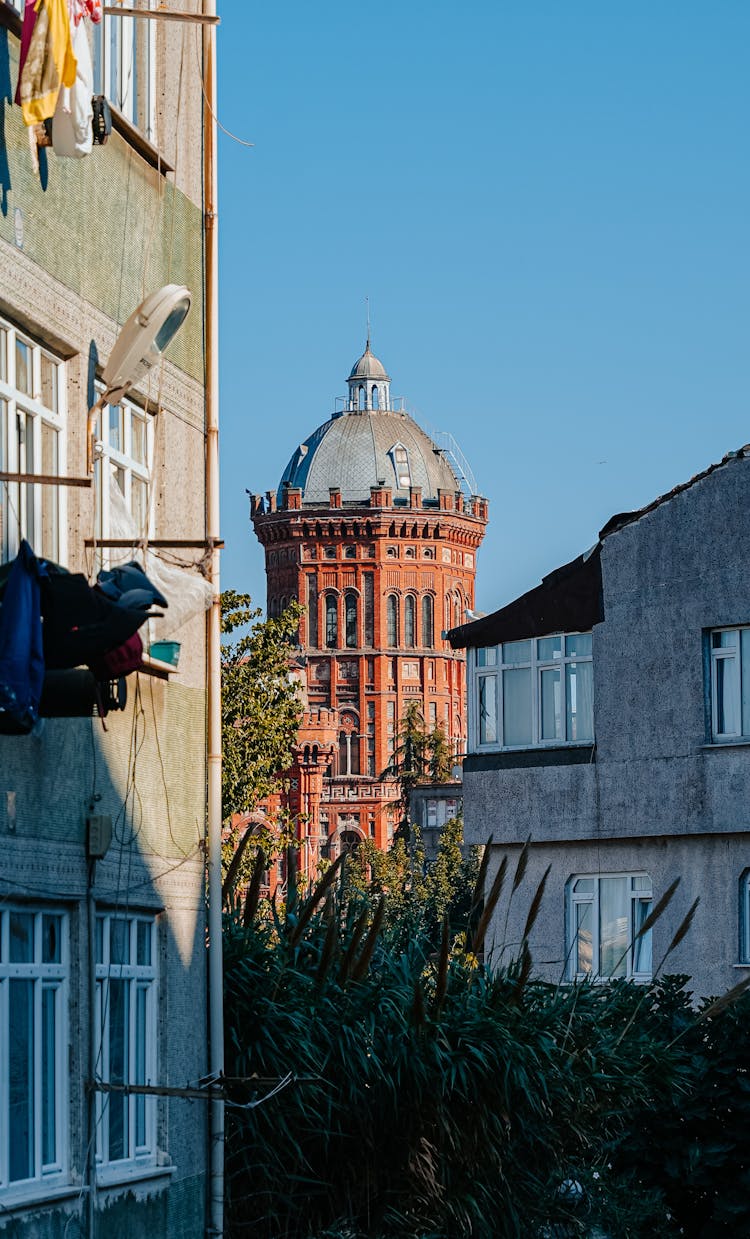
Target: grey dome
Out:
[368,367]
[355,451]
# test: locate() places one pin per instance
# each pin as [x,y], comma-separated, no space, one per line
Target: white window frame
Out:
[401,466]
[731,657]
[141,978]
[110,458]
[113,68]
[636,897]
[21,503]
[45,977]
[481,667]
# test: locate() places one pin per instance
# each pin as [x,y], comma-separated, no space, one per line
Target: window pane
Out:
[48,1074]
[139,503]
[548,648]
[3,355]
[613,926]
[21,937]
[312,611]
[487,709]
[332,628]
[51,929]
[584,886]
[584,942]
[138,439]
[551,711]
[725,640]
[578,644]
[579,685]
[409,635]
[727,697]
[21,1079]
[140,1064]
[745,680]
[24,369]
[369,591]
[487,657]
[351,621]
[517,652]
[116,439]
[641,883]
[118,1067]
[517,705]
[49,383]
[119,941]
[144,944]
[642,961]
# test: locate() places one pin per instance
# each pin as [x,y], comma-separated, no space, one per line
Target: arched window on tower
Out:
[349,745]
[375,397]
[332,621]
[312,610]
[392,621]
[350,620]
[456,610]
[428,626]
[362,397]
[410,638]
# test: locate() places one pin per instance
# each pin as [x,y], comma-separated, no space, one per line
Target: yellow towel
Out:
[50,62]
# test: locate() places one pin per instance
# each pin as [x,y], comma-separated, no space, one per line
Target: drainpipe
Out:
[213,669]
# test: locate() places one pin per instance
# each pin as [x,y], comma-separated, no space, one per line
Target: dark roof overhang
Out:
[568,600]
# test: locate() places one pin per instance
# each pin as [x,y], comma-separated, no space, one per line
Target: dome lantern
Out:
[369,385]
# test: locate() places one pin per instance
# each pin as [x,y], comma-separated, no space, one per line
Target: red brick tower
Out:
[374,529]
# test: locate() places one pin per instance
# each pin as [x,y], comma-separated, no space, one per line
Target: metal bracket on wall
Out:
[196,544]
[43,479]
[167,15]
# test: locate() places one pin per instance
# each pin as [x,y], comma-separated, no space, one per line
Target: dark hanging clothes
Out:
[80,623]
[21,652]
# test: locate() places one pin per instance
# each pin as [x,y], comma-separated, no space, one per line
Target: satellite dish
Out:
[144,338]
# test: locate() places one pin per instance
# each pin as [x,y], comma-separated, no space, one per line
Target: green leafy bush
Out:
[411,1093]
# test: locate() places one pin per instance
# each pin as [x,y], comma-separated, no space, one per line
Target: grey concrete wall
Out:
[654,776]
[709,868]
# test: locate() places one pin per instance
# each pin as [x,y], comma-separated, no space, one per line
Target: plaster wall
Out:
[708,867]
[668,579]
[81,243]
[654,793]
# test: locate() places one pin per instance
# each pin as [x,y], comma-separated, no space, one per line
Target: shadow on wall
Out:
[152,875]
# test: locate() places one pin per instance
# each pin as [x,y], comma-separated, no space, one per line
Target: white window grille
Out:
[604,916]
[730,683]
[124,434]
[32,440]
[125,68]
[533,692]
[126,1001]
[34,973]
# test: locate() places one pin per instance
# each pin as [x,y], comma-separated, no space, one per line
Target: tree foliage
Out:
[260,705]
[420,756]
[421,1096]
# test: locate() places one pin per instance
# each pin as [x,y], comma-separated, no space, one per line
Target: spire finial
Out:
[367,303]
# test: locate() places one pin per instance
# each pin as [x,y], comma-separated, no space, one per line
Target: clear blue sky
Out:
[548,204]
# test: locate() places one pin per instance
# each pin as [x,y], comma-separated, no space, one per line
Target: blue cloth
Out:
[21,654]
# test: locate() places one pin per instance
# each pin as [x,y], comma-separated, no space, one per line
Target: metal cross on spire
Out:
[367,303]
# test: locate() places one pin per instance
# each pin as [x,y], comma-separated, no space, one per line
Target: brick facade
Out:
[381,576]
